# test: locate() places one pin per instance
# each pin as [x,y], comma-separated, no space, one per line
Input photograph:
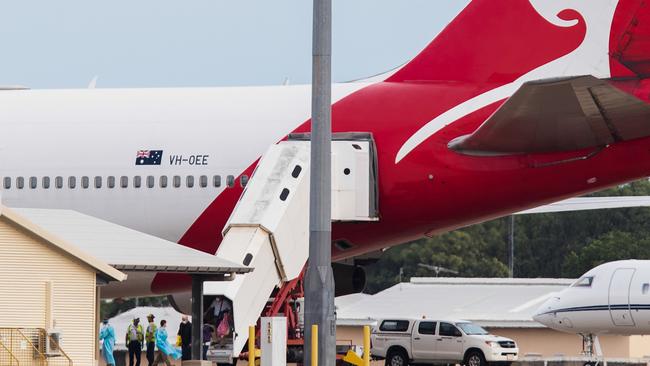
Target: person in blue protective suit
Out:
[107,336]
[165,350]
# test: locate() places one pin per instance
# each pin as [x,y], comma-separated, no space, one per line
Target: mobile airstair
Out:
[269,227]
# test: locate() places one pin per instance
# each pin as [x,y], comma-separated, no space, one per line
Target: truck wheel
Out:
[397,358]
[475,358]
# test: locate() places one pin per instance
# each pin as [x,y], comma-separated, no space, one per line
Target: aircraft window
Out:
[189,181]
[72,182]
[230,181]
[645,288]
[124,182]
[33,182]
[137,181]
[177,181]
[163,181]
[98,182]
[20,182]
[46,182]
[583,282]
[203,181]
[85,182]
[110,182]
[151,181]
[216,181]
[243,180]
[58,182]
[427,328]
[7,182]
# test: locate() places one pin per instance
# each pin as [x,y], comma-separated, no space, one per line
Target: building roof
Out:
[490,302]
[123,248]
[72,250]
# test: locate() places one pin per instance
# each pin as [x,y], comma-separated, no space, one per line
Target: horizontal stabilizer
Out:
[559,115]
[590,203]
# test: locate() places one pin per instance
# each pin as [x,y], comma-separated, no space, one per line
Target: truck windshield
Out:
[471,329]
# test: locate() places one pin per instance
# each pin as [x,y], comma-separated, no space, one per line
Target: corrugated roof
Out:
[102,268]
[492,302]
[124,248]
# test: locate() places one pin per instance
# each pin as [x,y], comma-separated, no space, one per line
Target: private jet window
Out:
[98,182]
[7,182]
[645,288]
[177,181]
[243,180]
[72,182]
[448,330]
[32,182]
[124,181]
[46,182]
[151,181]
[137,181]
[20,182]
[163,181]
[394,326]
[58,182]
[189,182]
[230,181]
[203,181]
[216,181]
[427,328]
[584,282]
[110,181]
[85,182]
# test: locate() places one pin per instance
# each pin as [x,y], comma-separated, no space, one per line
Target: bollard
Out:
[366,345]
[251,345]
[314,345]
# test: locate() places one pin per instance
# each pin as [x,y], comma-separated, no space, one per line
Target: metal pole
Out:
[197,316]
[319,279]
[511,242]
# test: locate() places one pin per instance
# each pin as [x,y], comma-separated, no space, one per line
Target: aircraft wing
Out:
[555,115]
[590,203]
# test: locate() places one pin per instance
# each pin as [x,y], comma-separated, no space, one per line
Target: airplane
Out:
[612,298]
[550,102]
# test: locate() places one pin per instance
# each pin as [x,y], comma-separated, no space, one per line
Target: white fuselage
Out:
[613,298]
[97,133]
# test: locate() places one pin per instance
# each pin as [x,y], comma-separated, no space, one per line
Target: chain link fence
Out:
[30,347]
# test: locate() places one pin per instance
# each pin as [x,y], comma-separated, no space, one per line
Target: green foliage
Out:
[546,245]
[110,308]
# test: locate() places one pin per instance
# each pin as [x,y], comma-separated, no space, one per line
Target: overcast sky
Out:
[154,43]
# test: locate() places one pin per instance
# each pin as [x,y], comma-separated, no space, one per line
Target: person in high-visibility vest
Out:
[150,338]
[134,340]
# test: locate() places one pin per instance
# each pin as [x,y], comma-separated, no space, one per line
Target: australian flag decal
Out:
[148,157]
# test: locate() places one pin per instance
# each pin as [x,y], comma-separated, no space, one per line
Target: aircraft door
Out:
[619,297]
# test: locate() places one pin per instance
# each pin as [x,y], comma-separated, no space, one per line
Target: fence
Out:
[30,347]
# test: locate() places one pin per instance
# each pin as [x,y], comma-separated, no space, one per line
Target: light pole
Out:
[319,279]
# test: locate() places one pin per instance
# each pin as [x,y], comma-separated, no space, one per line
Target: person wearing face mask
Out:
[185,332]
[165,350]
[107,336]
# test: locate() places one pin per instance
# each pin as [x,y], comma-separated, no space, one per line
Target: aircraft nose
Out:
[544,314]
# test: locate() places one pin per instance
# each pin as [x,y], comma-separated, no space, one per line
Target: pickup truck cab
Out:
[427,341]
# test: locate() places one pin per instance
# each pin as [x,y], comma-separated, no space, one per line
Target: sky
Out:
[176,43]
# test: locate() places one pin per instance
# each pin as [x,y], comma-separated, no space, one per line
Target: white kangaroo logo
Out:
[591,57]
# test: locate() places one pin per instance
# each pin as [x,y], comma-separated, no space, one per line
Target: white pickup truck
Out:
[426,341]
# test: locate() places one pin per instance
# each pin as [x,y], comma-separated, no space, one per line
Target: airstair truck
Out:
[269,227]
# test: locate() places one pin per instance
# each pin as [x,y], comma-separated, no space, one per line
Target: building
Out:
[55,265]
[47,284]
[502,305]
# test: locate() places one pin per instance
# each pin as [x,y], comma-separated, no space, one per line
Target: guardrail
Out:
[30,347]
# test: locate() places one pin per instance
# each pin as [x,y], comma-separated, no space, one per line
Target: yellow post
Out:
[314,345]
[251,345]
[366,345]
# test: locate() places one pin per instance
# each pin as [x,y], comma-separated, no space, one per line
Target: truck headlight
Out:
[492,344]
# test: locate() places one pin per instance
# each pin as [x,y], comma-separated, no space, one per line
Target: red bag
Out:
[223,329]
